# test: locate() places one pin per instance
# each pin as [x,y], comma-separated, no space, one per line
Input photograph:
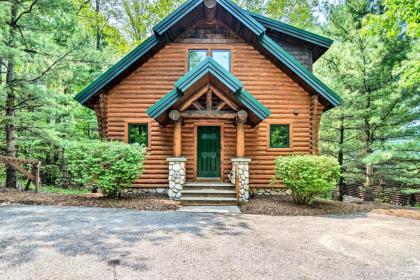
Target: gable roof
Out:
[292,31]
[261,41]
[202,72]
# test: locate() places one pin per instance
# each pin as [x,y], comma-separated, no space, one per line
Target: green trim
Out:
[272,127]
[209,65]
[107,77]
[290,62]
[253,25]
[164,103]
[176,16]
[293,31]
[253,104]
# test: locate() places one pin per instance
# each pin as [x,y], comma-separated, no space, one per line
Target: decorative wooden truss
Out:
[209,103]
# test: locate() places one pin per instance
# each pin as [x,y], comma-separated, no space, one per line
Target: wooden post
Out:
[240,139]
[240,133]
[210,10]
[177,145]
[37,176]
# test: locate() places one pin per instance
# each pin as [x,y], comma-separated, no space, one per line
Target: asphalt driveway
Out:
[43,242]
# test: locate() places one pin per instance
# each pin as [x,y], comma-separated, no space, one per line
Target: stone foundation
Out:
[138,191]
[176,177]
[269,191]
[243,168]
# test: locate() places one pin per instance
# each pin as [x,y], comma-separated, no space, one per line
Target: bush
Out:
[308,176]
[110,165]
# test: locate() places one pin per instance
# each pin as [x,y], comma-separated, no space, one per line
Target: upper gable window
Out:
[222,57]
[195,57]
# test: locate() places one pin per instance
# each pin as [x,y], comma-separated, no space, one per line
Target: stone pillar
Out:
[243,168]
[177,177]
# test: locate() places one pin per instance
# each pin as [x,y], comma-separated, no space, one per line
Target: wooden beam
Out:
[194,98]
[102,109]
[226,115]
[220,105]
[313,124]
[222,97]
[174,115]
[198,106]
[242,115]
[240,139]
[22,170]
[178,139]
[19,160]
[209,100]
[210,10]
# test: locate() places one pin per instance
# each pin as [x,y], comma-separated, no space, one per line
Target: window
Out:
[138,133]
[222,57]
[195,57]
[279,136]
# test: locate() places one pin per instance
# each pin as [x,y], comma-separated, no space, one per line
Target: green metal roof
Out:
[257,28]
[293,31]
[175,16]
[107,77]
[251,21]
[209,66]
[290,62]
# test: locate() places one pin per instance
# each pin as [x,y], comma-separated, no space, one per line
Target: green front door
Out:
[208,152]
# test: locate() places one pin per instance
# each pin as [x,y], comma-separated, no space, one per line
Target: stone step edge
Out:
[183,198]
[208,191]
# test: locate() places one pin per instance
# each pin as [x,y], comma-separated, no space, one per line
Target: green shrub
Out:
[308,176]
[110,165]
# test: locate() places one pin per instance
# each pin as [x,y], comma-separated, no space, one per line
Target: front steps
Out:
[208,194]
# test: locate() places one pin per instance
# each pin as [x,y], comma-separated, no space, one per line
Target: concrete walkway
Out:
[41,242]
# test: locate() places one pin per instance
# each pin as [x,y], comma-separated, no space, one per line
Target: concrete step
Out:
[208,185]
[207,201]
[209,192]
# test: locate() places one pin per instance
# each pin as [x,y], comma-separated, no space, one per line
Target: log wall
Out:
[288,102]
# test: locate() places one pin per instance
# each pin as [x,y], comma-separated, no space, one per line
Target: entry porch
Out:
[211,101]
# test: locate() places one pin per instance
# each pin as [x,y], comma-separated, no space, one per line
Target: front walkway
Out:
[44,242]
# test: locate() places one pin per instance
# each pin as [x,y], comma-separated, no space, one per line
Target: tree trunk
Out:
[98,29]
[340,158]
[11,174]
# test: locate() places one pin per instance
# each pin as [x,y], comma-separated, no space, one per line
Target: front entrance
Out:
[208,152]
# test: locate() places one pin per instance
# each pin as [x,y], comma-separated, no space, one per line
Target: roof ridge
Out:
[292,30]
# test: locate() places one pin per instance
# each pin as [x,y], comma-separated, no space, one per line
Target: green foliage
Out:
[110,165]
[376,130]
[308,176]
[52,189]
[410,191]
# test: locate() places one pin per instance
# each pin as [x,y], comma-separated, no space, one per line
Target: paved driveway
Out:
[41,242]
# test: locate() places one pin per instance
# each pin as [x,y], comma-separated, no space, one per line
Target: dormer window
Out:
[223,57]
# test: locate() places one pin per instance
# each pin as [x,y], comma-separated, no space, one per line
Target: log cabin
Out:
[216,93]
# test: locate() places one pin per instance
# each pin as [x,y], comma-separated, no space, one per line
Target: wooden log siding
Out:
[133,96]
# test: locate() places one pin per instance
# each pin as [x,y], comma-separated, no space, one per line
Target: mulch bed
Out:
[284,206]
[140,202]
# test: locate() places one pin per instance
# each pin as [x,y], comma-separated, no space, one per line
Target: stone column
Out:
[177,177]
[243,168]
